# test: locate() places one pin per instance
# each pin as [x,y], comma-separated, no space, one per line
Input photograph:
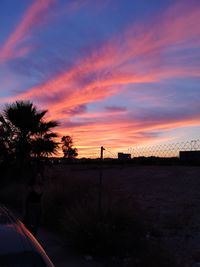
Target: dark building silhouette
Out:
[124,156]
[190,156]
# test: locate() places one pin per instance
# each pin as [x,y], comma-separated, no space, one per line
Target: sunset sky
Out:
[115,73]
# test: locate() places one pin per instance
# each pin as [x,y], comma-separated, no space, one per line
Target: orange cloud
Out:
[132,57]
[120,134]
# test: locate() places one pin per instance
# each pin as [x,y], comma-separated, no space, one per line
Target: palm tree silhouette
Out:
[30,132]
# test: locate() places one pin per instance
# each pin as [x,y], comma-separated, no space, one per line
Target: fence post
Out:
[100,182]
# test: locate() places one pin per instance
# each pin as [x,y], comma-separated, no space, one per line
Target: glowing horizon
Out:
[114,73]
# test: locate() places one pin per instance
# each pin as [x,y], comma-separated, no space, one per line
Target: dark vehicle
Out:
[18,247]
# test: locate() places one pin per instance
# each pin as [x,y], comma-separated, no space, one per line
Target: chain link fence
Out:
[165,150]
[108,153]
[162,150]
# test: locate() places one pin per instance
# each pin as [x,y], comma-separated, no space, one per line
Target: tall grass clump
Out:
[115,231]
[62,192]
[70,206]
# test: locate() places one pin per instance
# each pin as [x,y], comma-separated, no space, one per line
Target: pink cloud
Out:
[132,57]
[123,132]
[30,19]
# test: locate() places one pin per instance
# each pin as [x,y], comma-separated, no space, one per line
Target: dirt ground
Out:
[168,195]
[61,255]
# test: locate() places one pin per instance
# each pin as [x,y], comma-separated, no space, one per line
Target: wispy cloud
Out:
[126,131]
[76,5]
[138,55]
[116,136]
[116,109]
[32,17]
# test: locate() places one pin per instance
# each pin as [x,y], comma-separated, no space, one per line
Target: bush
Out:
[61,193]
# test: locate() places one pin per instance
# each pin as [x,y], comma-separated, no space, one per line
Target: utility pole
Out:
[100,182]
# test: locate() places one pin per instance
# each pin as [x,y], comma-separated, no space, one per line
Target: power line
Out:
[110,152]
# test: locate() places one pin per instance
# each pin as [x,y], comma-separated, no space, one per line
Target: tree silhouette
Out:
[6,141]
[67,147]
[31,135]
